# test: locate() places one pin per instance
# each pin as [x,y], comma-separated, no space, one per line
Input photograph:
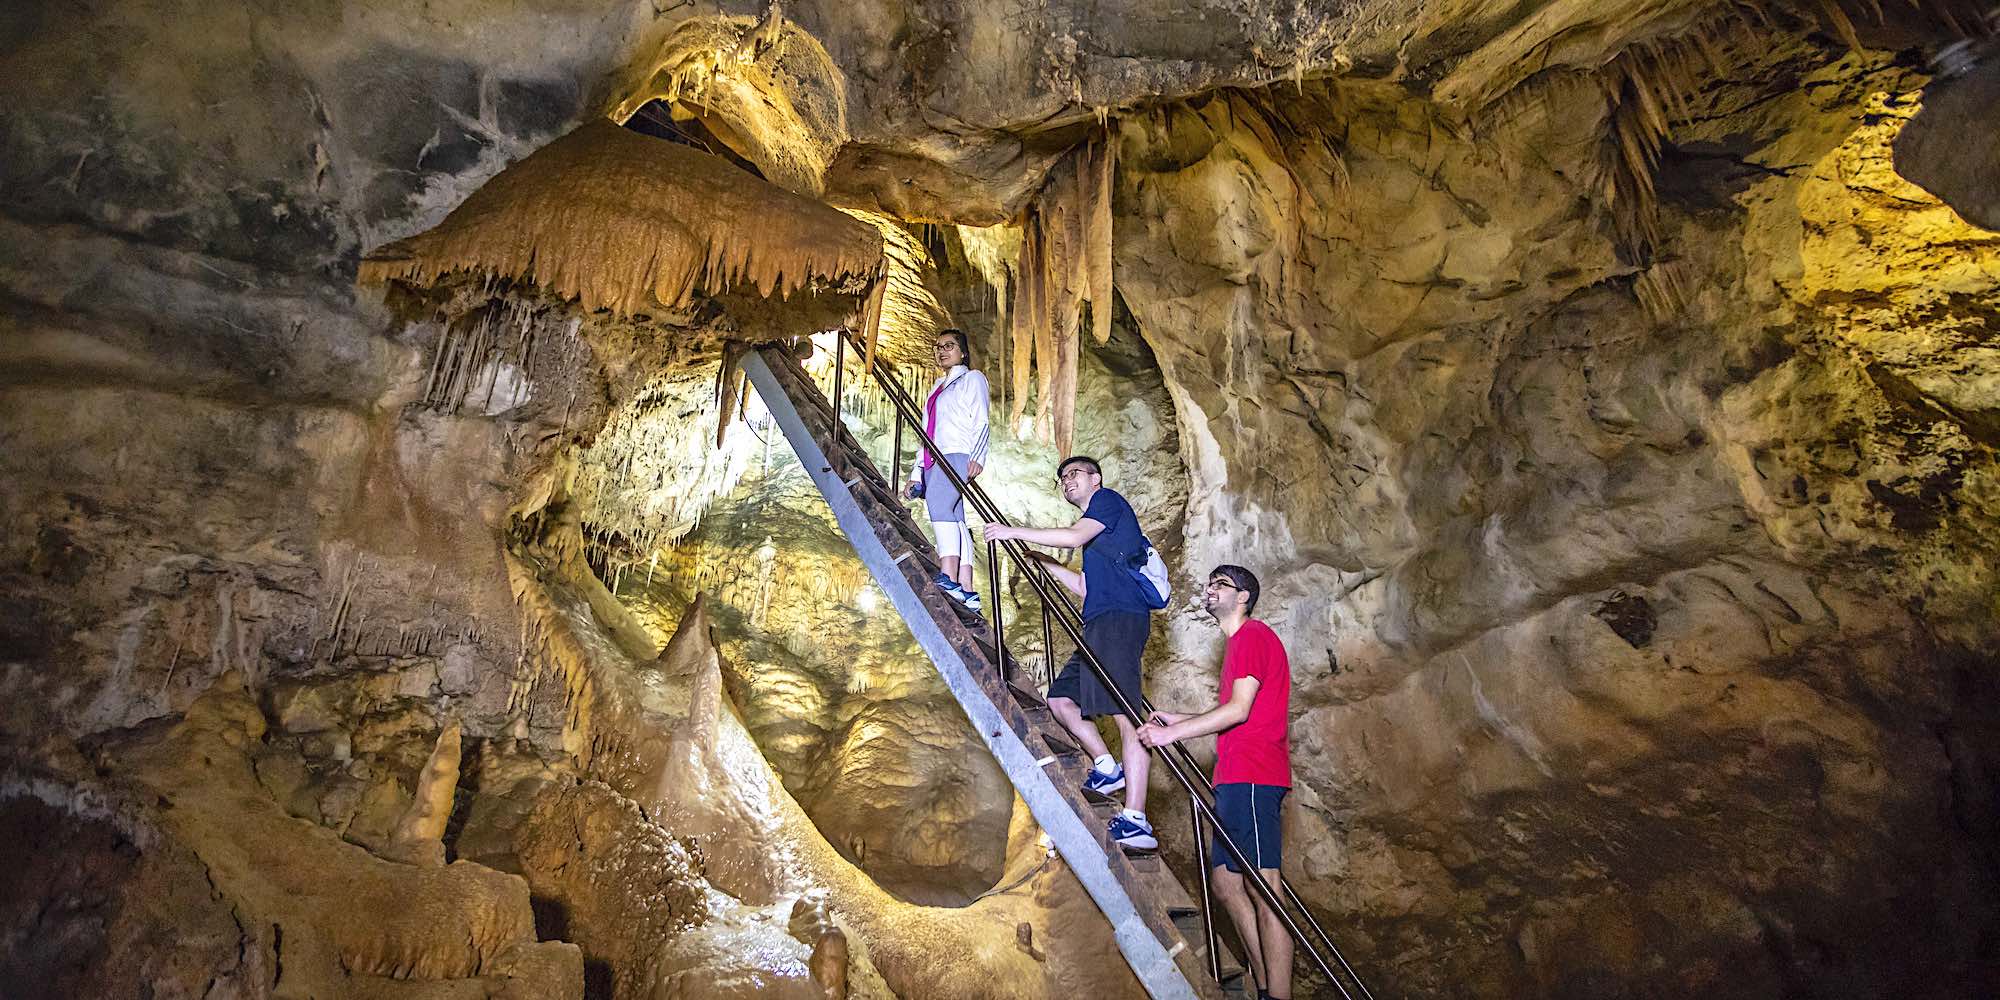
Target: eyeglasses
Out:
[1214,584]
[1077,473]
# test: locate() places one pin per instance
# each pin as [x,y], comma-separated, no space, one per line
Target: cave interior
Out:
[409,593]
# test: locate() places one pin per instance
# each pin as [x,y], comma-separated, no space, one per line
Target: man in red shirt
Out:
[1253,767]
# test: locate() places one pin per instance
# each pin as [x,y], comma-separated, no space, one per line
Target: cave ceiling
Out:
[1607,392]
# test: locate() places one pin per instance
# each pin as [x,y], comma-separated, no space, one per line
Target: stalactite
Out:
[899,301]
[621,221]
[727,386]
[1029,310]
[1065,262]
[1097,236]
[1646,88]
[643,482]
[1663,288]
[871,317]
[1961,18]
[550,648]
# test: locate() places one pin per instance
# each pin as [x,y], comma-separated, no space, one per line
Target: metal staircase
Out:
[1168,940]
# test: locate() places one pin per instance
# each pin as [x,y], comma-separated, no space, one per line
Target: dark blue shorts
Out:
[1249,813]
[1119,637]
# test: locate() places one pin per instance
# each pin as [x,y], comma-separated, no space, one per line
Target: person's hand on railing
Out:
[972,468]
[1158,731]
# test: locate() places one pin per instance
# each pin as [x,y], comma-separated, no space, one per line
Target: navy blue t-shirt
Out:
[1108,583]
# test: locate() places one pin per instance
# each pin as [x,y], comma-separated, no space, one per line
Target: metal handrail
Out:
[1070,618]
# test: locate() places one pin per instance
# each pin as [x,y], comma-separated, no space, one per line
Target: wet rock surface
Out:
[1640,599]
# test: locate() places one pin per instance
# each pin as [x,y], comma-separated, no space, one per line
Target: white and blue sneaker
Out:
[1131,830]
[1103,783]
[952,589]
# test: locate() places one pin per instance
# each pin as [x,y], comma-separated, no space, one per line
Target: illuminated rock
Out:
[1609,415]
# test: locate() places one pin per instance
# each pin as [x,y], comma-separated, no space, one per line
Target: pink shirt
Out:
[1258,750]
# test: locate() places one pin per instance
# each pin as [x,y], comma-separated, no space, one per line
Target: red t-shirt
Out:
[1257,750]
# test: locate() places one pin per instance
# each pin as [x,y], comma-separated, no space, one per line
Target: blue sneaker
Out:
[1136,834]
[1104,784]
[969,598]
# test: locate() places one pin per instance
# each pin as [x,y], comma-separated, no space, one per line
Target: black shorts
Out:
[1249,813]
[1119,638]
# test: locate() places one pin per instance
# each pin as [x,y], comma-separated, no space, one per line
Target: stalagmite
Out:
[811,924]
[419,836]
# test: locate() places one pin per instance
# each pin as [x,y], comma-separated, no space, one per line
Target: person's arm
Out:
[1064,575]
[1075,536]
[977,400]
[1221,717]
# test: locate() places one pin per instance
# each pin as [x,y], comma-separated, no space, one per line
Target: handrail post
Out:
[896,449]
[839,371]
[993,594]
[1048,647]
[1207,899]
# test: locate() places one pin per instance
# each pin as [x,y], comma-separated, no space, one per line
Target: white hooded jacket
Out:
[961,416]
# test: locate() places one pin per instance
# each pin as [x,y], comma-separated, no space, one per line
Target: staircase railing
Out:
[1059,610]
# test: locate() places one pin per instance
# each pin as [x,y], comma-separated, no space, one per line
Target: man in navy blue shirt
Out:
[1116,623]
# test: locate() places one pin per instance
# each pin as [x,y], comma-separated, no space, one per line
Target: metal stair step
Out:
[1187,920]
[1069,754]
[1028,700]
[1145,861]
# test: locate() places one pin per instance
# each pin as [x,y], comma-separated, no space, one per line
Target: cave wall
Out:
[1639,649]
[1635,642]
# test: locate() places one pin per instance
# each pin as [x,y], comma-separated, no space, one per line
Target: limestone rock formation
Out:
[1607,394]
[418,838]
[296,906]
[1945,150]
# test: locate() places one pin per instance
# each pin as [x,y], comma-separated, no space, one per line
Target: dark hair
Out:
[964,345]
[1084,460]
[1244,580]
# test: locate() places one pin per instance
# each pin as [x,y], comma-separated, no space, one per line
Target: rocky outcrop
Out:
[760,851]
[1639,591]
[1945,150]
[309,913]
[1585,669]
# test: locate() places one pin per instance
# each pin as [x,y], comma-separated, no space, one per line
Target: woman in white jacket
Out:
[955,418]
